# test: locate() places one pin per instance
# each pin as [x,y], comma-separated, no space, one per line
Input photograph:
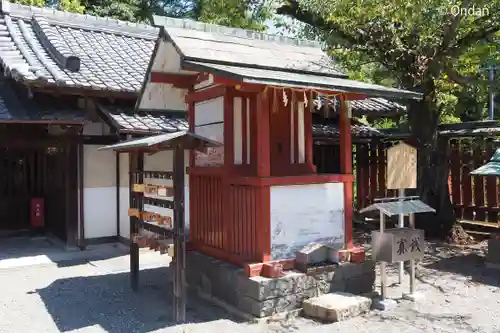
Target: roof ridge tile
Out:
[83,21]
[52,42]
[171,22]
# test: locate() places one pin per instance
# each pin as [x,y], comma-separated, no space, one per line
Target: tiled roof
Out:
[326,130]
[15,108]
[467,129]
[128,120]
[45,46]
[375,106]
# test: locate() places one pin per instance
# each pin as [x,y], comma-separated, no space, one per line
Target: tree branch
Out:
[462,80]
[450,30]
[293,9]
[480,34]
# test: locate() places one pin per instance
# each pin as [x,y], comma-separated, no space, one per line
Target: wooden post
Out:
[383,280]
[262,135]
[135,165]
[346,168]
[179,237]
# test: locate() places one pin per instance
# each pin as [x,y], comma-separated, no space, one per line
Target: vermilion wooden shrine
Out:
[258,198]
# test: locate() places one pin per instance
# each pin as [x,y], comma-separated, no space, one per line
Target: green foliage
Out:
[383,123]
[246,14]
[74,6]
[406,43]
[235,13]
[37,3]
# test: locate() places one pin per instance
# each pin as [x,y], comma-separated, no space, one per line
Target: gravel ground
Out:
[460,296]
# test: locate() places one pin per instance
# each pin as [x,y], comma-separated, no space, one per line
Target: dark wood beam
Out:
[86,92]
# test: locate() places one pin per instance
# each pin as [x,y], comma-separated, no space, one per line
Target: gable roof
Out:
[257,58]
[42,46]
[211,43]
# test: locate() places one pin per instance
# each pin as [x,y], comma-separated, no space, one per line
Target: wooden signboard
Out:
[401,167]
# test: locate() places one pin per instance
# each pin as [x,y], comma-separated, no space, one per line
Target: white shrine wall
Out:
[305,214]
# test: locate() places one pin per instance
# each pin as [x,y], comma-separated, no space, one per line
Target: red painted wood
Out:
[228,129]
[253,135]
[479,189]
[373,172]
[346,168]
[382,193]
[466,183]
[455,171]
[262,139]
[366,176]
[244,139]
[491,189]
[295,129]
[177,80]
[205,94]
[291,180]
[361,183]
[308,133]
[279,133]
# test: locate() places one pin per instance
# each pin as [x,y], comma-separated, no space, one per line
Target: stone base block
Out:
[263,297]
[336,306]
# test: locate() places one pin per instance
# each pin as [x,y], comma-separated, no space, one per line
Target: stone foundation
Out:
[262,297]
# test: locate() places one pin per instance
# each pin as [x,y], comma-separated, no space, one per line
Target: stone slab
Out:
[336,306]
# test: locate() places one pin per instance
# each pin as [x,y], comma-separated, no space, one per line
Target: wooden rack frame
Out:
[138,200]
[177,142]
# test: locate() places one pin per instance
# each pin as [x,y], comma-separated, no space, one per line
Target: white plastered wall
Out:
[99,194]
[304,214]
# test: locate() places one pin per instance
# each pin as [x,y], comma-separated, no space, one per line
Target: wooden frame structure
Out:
[178,142]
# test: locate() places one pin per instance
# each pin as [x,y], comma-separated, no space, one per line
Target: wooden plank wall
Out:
[475,198]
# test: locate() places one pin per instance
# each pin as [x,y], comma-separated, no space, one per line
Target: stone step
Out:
[336,306]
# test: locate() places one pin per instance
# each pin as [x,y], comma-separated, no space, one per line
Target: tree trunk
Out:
[433,164]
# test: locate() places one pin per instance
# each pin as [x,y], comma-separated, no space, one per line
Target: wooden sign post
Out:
[401,174]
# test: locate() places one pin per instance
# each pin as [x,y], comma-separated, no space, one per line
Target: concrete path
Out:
[32,251]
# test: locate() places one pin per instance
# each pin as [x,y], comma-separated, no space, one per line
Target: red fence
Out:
[228,220]
[475,198]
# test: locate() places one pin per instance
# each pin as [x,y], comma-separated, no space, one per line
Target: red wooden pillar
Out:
[346,168]
[261,135]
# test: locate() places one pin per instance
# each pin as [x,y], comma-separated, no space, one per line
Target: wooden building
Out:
[67,78]
[257,198]
[70,85]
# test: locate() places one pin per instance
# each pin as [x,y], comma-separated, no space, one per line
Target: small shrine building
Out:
[258,198]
